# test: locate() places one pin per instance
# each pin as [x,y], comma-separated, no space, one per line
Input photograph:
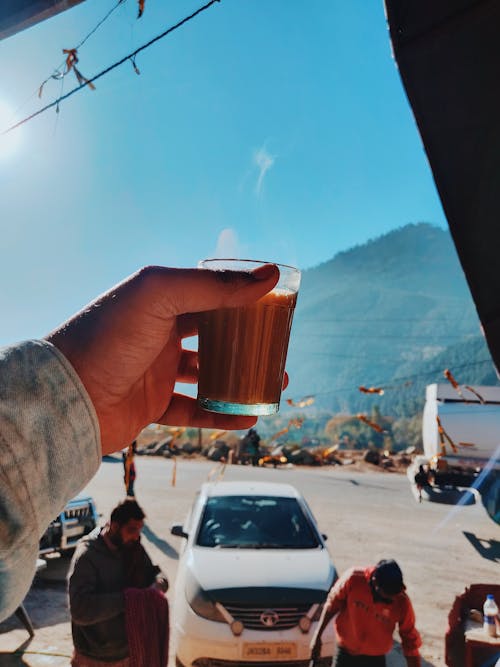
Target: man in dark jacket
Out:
[251,447]
[105,563]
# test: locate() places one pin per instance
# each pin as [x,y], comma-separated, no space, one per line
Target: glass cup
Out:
[242,350]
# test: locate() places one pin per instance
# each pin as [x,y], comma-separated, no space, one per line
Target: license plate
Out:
[270,650]
[74,530]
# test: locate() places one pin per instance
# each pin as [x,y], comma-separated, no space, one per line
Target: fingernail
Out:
[265,272]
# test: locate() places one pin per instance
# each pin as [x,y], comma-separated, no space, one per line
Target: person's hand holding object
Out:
[126,347]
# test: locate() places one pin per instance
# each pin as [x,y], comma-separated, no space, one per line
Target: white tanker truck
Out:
[461,438]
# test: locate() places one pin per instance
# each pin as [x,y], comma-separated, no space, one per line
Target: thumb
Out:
[162,293]
[181,291]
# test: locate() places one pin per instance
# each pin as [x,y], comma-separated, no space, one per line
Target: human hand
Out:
[160,583]
[126,347]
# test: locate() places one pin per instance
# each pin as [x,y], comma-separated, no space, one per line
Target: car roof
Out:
[251,488]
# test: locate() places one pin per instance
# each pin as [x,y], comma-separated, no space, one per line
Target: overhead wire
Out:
[371,335]
[420,320]
[99,24]
[57,74]
[397,383]
[130,57]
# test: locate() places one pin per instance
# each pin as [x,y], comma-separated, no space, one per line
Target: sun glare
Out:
[9,142]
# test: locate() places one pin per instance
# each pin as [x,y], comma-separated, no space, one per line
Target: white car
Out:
[252,578]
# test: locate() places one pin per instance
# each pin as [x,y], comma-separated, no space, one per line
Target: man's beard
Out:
[115,539]
[118,542]
[129,546]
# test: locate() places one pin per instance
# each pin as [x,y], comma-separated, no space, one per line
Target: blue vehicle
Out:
[77,519]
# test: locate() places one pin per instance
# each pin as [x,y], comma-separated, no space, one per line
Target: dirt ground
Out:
[47,605]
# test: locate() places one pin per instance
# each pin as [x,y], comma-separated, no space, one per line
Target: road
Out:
[367,516]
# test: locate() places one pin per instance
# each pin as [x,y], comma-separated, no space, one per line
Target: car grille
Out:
[78,512]
[279,618]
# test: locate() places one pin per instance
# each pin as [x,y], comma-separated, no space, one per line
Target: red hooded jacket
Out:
[365,627]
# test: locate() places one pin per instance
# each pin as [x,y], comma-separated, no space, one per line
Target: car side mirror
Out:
[178,530]
[325,537]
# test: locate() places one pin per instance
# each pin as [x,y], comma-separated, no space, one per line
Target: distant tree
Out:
[407,432]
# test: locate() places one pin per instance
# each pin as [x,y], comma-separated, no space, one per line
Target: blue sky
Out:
[273,129]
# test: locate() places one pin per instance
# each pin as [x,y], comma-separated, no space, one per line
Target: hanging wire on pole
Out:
[95,28]
[57,74]
[130,56]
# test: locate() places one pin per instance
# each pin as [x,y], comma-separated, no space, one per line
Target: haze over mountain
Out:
[392,313]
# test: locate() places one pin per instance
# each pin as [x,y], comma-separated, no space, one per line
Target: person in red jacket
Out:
[367,604]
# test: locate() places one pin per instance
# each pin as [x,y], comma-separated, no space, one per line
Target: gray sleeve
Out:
[49,450]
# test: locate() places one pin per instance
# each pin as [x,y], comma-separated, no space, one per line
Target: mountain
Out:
[392,313]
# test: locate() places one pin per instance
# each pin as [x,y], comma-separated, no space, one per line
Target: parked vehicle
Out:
[77,519]
[252,578]
[461,440]
[471,421]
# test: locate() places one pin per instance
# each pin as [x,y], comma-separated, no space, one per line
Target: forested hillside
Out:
[392,313]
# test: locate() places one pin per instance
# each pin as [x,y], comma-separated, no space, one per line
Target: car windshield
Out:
[256,522]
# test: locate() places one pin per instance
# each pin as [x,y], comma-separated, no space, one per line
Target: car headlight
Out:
[237,628]
[304,624]
[200,601]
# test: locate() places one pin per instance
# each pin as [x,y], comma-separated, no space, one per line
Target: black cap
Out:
[389,577]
